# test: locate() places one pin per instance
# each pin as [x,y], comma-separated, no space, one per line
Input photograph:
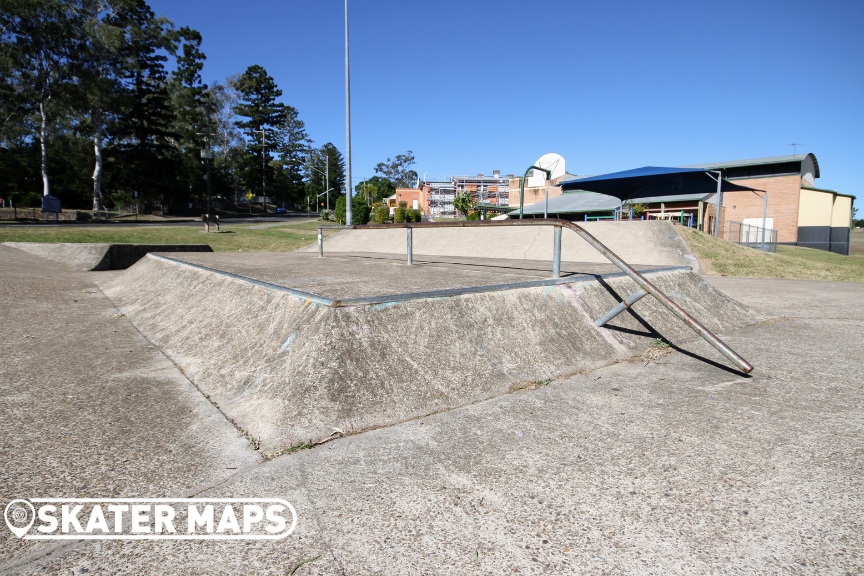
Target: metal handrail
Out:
[640,280]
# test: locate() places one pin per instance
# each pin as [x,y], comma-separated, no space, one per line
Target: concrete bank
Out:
[290,368]
[650,243]
[96,256]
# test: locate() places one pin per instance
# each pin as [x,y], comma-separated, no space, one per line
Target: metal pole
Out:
[546,205]
[556,253]
[320,243]
[764,218]
[620,307]
[410,246]
[348,220]
[522,185]
[263,174]
[717,203]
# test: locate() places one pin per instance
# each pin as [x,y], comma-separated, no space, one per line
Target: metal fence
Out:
[764,239]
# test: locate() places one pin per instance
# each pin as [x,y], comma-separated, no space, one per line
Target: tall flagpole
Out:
[348,219]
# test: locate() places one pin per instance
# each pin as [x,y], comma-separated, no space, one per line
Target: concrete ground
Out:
[666,464]
[376,274]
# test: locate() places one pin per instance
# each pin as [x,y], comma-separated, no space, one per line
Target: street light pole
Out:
[207,155]
[347,125]
[263,172]
[327,175]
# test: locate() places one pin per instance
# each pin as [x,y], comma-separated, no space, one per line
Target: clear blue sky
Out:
[477,85]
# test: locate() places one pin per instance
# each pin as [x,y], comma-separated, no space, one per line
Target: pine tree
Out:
[144,136]
[263,116]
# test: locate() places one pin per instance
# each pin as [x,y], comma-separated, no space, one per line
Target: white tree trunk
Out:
[97,149]
[42,136]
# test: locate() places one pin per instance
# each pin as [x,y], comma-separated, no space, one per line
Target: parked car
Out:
[280,210]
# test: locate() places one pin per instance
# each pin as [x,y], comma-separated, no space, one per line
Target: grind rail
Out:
[645,286]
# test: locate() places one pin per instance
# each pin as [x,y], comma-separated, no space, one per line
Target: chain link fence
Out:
[764,239]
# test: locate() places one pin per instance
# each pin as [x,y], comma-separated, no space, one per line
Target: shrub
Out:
[414,215]
[473,215]
[340,212]
[380,214]
[359,210]
[400,215]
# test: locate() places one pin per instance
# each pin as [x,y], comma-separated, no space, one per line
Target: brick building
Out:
[801,213]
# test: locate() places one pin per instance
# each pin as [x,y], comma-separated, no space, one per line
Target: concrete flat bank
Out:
[291,368]
[650,243]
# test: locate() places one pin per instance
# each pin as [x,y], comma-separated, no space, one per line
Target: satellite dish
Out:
[550,161]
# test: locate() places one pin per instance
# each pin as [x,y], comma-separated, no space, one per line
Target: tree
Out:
[463,202]
[38,40]
[263,116]
[292,144]
[99,84]
[327,158]
[228,143]
[192,106]
[375,189]
[398,170]
[144,137]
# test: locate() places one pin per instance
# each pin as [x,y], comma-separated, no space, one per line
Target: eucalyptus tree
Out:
[99,85]
[398,170]
[39,40]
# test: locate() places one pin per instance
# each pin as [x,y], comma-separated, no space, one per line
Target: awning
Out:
[668,199]
[583,202]
[652,181]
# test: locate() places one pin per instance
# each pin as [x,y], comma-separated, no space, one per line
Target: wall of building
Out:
[841,218]
[783,204]
[410,196]
[814,219]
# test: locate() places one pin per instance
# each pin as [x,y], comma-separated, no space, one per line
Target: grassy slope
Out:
[727,259]
[283,238]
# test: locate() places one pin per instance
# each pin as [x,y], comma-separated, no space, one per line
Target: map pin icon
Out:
[16,515]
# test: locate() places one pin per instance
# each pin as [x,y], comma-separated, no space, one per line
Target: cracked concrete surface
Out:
[676,466]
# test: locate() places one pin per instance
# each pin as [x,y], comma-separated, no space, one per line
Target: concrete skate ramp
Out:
[290,365]
[97,256]
[651,242]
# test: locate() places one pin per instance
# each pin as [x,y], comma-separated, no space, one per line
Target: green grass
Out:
[232,238]
[793,262]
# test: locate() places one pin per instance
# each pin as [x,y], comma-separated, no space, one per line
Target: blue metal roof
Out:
[650,181]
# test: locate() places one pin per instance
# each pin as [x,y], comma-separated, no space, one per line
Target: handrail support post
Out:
[620,307]
[410,246]
[320,243]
